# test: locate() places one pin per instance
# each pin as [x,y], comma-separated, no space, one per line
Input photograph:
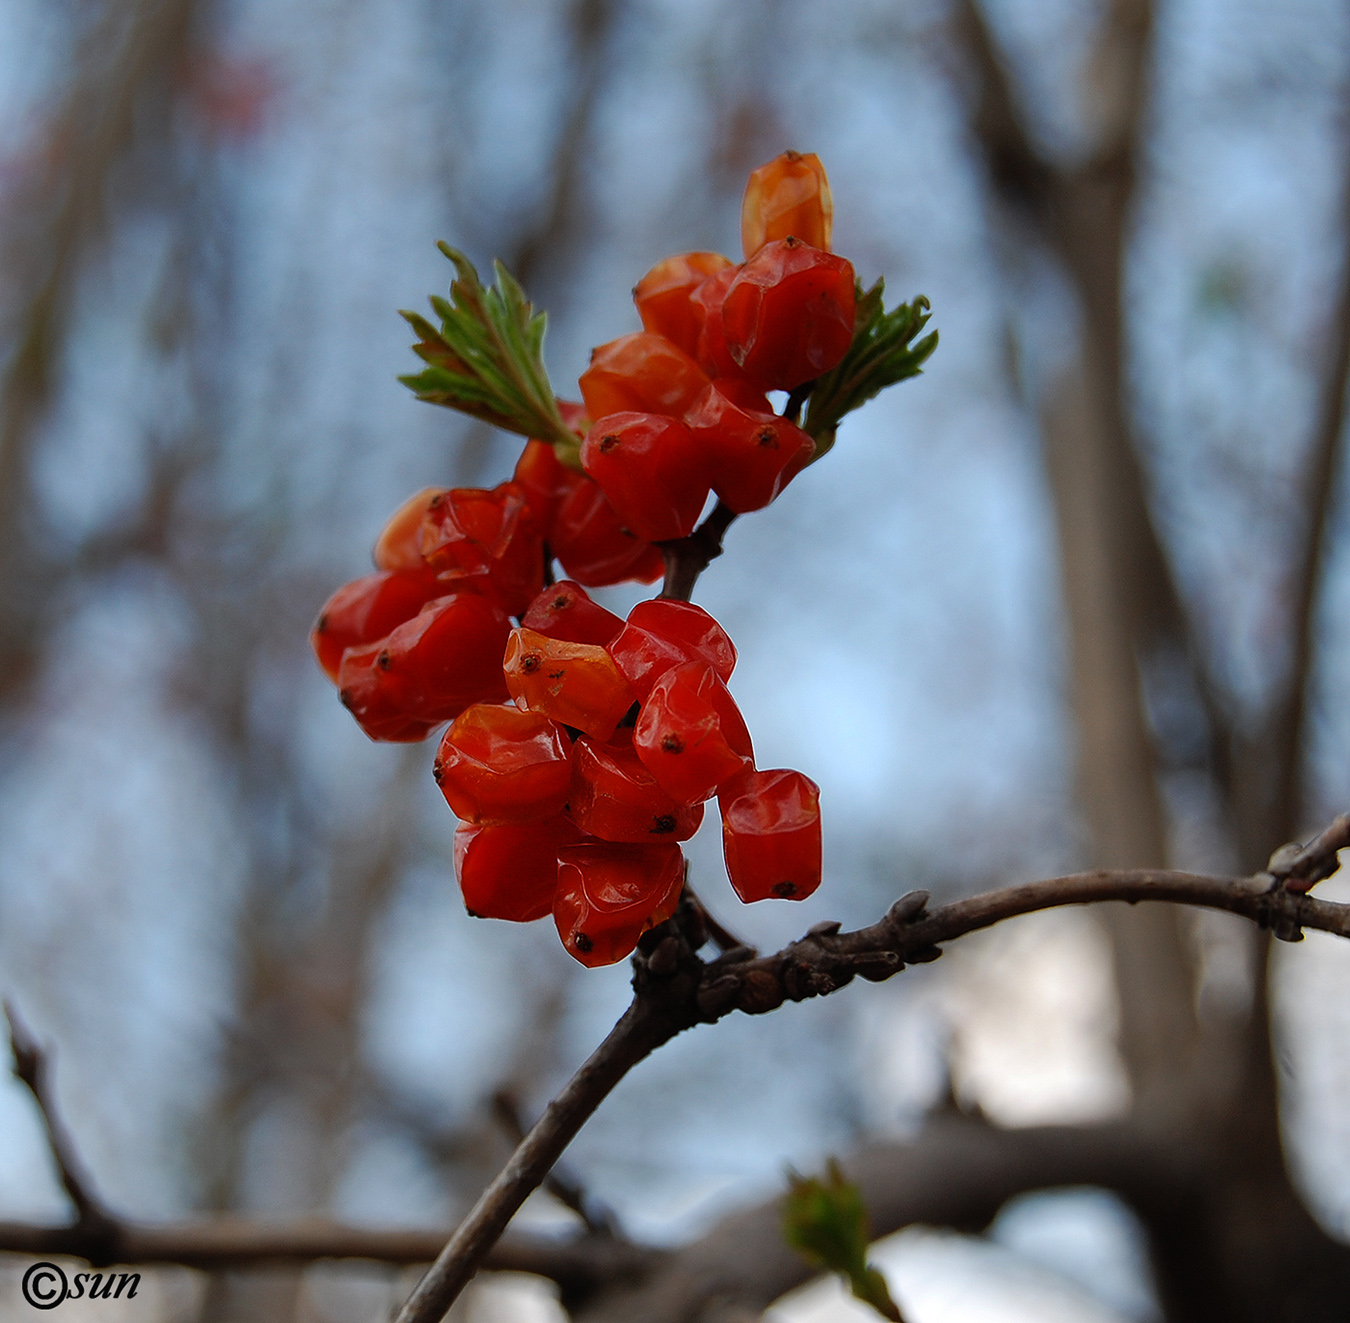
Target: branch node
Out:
[760,991]
[908,908]
[715,999]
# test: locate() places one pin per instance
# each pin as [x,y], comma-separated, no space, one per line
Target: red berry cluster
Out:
[573,798]
[681,406]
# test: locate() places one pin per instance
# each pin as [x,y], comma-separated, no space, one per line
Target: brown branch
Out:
[598,1219]
[577,1265]
[688,557]
[675,990]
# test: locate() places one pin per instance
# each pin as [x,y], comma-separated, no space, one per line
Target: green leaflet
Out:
[825,1222]
[486,358]
[882,353]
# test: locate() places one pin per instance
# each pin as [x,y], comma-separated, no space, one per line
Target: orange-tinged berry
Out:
[788,315]
[771,834]
[400,545]
[663,296]
[789,195]
[610,894]
[499,764]
[641,372]
[576,684]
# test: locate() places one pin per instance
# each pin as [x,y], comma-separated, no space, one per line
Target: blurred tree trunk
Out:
[1240,1245]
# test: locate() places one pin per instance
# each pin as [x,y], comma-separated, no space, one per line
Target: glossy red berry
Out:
[610,894]
[771,834]
[544,479]
[750,455]
[449,656]
[565,611]
[576,684]
[789,195]
[788,315]
[662,633]
[650,470]
[399,546]
[366,609]
[642,373]
[509,870]
[707,299]
[690,733]
[592,544]
[499,764]
[487,540]
[380,701]
[663,296]
[614,796]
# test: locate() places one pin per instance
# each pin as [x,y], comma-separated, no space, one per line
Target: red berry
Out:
[609,895]
[565,611]
[690,733]
[367,609]
[449,656]
[789,195]
[544,479]
[788,315]
[576,684]
[663,633]
[399,547]
[641,372]
[378,699]
[771,834]
[509,870]
[663,296]
[651,472]
[499,764]
[614,796]
[486,540]
[593,546]
[749,454]
[713,355]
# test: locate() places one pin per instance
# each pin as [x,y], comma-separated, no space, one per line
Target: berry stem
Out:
[687,557]
[792,406]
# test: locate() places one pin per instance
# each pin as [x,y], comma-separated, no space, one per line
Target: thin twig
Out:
[32,1066]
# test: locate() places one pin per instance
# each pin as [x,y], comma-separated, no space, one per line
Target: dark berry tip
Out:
[582,942]
[785,889]
[663,824]
[672,744]
[608,442]
[383,660]
[530,662]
